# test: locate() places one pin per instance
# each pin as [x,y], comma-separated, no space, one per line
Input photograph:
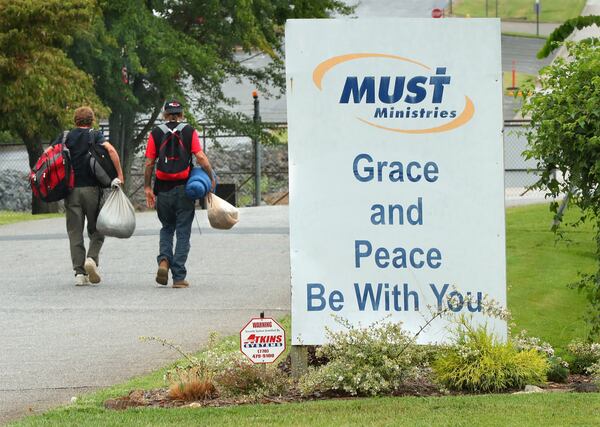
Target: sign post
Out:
[396,173]
[536,8]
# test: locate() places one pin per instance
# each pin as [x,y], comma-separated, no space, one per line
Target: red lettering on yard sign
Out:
[262,340]
[437,13]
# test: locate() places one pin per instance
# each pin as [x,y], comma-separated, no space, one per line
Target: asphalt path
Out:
[59,340]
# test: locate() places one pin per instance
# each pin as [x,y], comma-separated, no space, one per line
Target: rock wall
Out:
[15,192]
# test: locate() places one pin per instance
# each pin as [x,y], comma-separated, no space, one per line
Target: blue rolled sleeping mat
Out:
[198,184]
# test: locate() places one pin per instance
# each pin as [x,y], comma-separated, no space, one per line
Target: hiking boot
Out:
[181,284]
[81,280]
[92,270]
[162,275]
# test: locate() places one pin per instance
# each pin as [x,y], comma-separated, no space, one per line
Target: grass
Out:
[526,35]
[550,11]
[9,217]
[486,410]
[538,270]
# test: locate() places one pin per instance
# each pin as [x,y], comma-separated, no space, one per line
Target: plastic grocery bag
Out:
[117,216]
[221,214]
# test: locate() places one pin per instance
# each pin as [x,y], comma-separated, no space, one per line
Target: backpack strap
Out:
[180,127]
[165,129]
[92,134]
[61,140]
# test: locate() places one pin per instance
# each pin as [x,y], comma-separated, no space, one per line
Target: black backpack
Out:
[174,156]
[101,164]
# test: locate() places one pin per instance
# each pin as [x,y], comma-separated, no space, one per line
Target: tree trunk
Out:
[126,139]
[34,151]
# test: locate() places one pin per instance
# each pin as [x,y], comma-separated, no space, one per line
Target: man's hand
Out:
[122,179]
[150,197]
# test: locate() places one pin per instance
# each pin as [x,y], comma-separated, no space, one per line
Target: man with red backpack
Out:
[84,200]
[171,147]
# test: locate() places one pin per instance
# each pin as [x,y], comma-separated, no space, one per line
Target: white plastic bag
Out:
[221,214]
[117,216]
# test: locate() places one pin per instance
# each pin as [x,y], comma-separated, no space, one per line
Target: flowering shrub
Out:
[584,355]
[558,369]
[594,372]
[480,363]
[364,361]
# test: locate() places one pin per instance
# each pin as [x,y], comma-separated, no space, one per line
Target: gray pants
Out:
[82,203]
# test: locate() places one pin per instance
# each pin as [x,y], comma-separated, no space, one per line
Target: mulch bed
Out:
[159,398]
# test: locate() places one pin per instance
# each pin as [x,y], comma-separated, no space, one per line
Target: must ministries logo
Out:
[408,102]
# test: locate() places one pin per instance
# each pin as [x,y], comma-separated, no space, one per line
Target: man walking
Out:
[83,202]
[173,145]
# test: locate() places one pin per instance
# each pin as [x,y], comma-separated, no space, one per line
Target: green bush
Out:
[594,372]
[243,378]
[480,363]
[583,355]
[372,361]
[558,369]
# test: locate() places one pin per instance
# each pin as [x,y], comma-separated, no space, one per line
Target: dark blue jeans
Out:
[176,213]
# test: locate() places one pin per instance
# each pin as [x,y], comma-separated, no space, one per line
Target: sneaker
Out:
[92,270]
[162,275]
[181,284]
[81,280]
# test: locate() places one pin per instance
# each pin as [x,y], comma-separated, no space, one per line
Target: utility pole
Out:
[486,8]
[256,144]
[496,8]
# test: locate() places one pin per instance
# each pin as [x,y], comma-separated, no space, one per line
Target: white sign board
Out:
[262,340]
[396,172]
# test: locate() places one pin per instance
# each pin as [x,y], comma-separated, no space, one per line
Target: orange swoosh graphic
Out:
[463,118]
[328,64]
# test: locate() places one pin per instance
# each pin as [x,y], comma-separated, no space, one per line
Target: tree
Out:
[41,86]
[142,52]
[565,136]
[561,33]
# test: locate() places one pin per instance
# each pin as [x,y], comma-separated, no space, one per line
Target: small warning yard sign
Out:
[262,340]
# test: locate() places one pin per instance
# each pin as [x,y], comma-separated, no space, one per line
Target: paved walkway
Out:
[59,340]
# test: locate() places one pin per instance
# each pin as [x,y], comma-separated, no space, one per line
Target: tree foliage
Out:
[561,33]
[40,85]
[184,49]
[565,136]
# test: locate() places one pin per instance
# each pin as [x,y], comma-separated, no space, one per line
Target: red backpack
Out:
[174,157]
[53,177]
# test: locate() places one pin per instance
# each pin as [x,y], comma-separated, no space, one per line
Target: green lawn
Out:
[538,271]
[486,410]
[550,11]
[7,217]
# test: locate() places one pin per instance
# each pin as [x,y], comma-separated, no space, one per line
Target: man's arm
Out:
[203,161]
[150,197]
[114,156]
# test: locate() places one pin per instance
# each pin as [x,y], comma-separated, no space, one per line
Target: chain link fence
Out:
[232,157]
